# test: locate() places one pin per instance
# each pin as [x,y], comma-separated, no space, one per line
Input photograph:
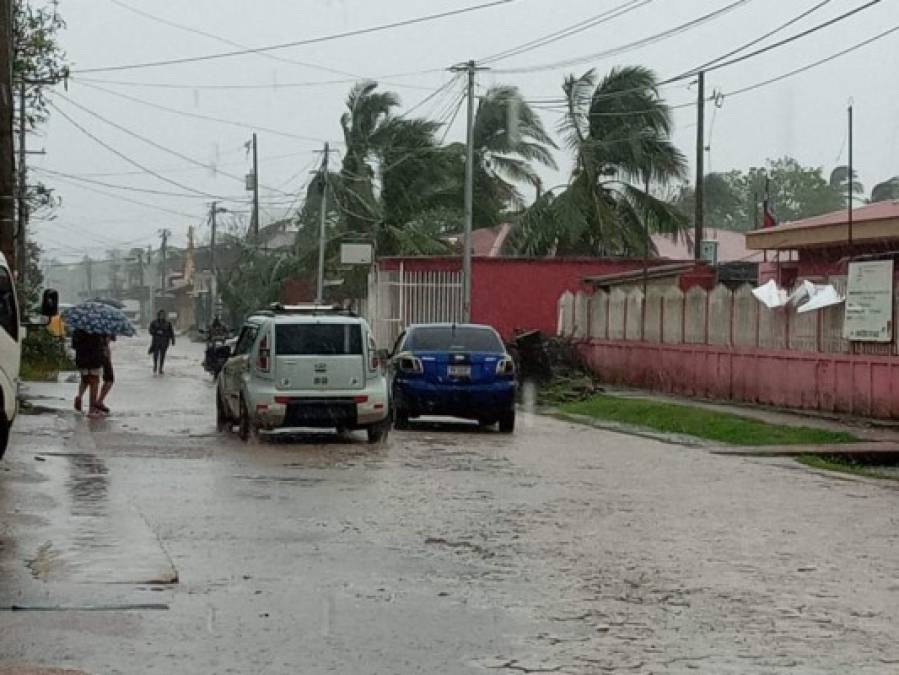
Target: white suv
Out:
[304,366]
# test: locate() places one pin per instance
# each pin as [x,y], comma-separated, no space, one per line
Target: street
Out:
[148,543]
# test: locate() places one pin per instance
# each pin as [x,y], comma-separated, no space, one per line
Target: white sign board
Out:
[355,254]
[869,302]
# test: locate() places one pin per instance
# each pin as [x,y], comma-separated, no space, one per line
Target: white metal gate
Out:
[400,297]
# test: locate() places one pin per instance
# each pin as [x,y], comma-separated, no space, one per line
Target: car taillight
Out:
[411,364]
[505,366]
[263,360]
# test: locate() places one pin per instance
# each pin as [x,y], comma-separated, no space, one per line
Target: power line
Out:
[126,199]
[200,116]
[760,38]
[297,43]
[153,143]
[814,64]
[116,186]
[273,85]
[780,43]
[568,31]
[184,168]
[663,35]
[224,40]
[125,157]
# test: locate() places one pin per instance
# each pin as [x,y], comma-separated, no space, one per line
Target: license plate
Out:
[459,371]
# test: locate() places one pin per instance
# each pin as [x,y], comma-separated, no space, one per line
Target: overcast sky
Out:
[803,116]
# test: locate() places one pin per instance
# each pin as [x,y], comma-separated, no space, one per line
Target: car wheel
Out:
[400,418]
[222,422]
[245,424]
[4,433]
[507,422]
[378,432]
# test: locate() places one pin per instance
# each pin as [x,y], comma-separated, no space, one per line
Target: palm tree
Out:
[839,183]
[619,131]
[886,191]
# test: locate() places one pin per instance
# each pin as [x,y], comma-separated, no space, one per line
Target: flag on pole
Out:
[768,219]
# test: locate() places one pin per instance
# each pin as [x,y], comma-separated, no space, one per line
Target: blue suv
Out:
[458,370]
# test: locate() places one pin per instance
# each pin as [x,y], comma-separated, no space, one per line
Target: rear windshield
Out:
[453,339]
[318,339]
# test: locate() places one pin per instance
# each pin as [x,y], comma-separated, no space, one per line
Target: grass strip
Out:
[720,427]
[841,465]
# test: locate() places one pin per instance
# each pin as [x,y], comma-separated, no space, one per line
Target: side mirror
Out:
[50,303]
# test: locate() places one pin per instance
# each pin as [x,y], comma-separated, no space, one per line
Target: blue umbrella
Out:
[97,318]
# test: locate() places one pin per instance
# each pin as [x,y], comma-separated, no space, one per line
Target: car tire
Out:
[400,418]
[486,423]
[4,433]
[507,422]
[222,421]
[378,432]
[245,425]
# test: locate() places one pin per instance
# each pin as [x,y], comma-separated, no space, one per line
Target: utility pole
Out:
[851,179]
[471,69]
[163,249]
[22,230]
[7,153]
[699,192]
[320,292]
[255,188]
[213,282]
[89,272]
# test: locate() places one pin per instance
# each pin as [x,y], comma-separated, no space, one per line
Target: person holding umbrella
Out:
[89,349]
[94,324]
[162,337]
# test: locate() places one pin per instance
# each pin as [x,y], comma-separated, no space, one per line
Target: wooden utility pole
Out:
[322,233]
[851,181]
[470,68]
[255,188]
[7,151]
[164,249]
[699,192]
[22,193]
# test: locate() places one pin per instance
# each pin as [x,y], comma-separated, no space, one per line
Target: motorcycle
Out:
[218,351]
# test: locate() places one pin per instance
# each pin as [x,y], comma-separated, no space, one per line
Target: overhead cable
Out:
[297,43]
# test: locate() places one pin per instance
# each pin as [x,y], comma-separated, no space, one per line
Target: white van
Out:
[12,333]
[304,366]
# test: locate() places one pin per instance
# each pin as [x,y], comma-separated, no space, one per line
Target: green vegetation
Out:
[842,465]
[723,428]
[43,356]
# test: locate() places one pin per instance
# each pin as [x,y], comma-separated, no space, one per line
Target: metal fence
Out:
[397,298]
[720,317]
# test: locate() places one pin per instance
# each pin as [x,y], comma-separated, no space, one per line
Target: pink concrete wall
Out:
[843,383]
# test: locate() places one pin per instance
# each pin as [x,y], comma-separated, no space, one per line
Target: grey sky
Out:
[803,116]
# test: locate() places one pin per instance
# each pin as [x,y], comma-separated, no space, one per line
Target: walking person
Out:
[89,361]
[163,336]
[108,374]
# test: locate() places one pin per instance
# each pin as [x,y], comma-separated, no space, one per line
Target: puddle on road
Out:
[89,534]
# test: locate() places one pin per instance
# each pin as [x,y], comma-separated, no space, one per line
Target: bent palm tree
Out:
[619,131]
[886,191]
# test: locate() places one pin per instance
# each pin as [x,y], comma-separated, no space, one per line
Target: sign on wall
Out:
[869,302]
[355,254]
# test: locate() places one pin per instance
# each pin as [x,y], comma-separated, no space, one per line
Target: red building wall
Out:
[510,293]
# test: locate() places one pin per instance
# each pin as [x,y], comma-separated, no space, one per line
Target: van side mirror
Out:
[50,303]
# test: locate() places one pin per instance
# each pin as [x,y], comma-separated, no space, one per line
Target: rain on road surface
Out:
[147,543]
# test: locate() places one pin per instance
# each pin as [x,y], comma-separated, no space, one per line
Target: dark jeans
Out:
[159,360]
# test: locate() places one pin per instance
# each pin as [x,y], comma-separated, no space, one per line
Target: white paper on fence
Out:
[770,295]
[821,297]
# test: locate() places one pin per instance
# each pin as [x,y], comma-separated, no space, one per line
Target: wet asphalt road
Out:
[147,543]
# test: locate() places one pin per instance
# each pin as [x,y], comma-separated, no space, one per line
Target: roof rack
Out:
[277,308]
